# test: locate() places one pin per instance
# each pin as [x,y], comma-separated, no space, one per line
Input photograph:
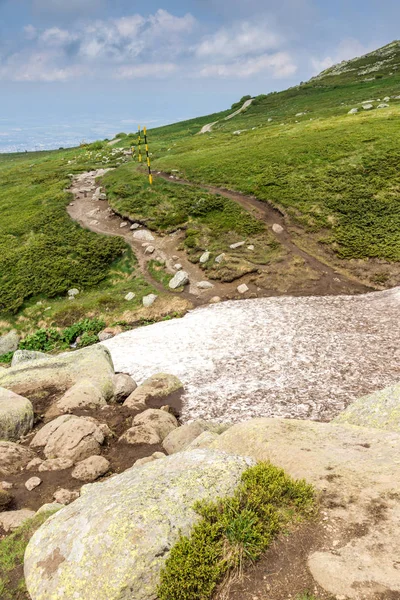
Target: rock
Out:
[149,300]
[300,114]
[162,422]
[76,439]
[204,440]
[5,485]
[130,296]
[158,455]
[242,289]
[219,259]
[56,464]
[62,372]
[104,428]
[143,461]
[359,471]
[102,196]
[180,279]
[237,245]
[16,415]
[34,464]
[178,267]
[180,438]
[131,520]
[276,228]
[367,106]
[270,120]
[204,257]
[143,236]
[105,335]
[123,224]
[251,247]
[386,99]
[353,111]
[43,435]
[51,507]
[149,250]
[383,105]
[82,395]
[379,410]
[32,483]
[63,496]
[156,391]
[91,468]
[5,499]
[215,300]
[135,226]
[13,519]
[21,356]
[9,342]
[123,387]
[205,285]
[141,434]
[13,458]
[73,292]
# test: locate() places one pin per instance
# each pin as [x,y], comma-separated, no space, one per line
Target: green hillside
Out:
[334,175]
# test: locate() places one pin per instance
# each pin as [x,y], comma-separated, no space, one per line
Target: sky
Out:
[73,70]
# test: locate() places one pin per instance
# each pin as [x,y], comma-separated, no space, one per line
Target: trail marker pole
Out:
[140,145]
[148,156]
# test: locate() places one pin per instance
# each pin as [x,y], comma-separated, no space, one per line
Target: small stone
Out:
[103,336]
[91,468]
[180,279]
[102,197]
[204,257]
[73,292]
[6,485]
[130,297]
[368,106]
[123,224]
[124,385]
[63,496]
[276,228]
[143,461]
[353,111]
[205,285]
[178,267]
[215,300]
[32,483]
[135,226]
[158,455]
[149,300]
[143,236]
[237,245]
[220,258]
[149,250]
[383,105]
[242,289]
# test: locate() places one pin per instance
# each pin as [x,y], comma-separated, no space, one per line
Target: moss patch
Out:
[234,531]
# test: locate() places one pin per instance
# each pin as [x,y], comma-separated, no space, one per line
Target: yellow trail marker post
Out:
[140,145]
[148,156]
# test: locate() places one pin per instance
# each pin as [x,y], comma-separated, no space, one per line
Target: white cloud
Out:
[279,65]
[246,38]
[30,32]
[39,67]
[347,49]
[56,37]
[159,70]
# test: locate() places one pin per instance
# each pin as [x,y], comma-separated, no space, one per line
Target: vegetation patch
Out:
[12,550]
[234,531]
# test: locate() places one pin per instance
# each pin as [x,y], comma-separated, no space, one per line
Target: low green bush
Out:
[47,340]
[6,358]
[233,531]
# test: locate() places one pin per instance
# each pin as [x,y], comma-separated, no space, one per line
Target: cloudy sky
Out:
[74,69]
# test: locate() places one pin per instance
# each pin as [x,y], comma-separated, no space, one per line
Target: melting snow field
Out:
[305,358]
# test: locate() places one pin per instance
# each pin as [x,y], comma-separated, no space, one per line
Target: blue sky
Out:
[84,69]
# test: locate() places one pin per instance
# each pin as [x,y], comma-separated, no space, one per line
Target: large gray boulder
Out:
[180,279]
[358,470]
[9,342]
[82,395]
[380,410]
[156,391]
[76,439]
[112,542]
[16,415]
[62,372]
[21,356]
[13,458]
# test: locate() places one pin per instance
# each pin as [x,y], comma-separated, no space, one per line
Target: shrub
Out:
[6,358]
[43,340]
[96,145]
[120,135]
[233,531]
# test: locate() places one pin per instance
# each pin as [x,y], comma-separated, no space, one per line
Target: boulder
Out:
[12,519]
[380,410]
[91,468]
[55,464]
[63,496]
[143,236]
[204,440]
[9,342]
[43,435]
[156,391]
[383,105]
[13,458]
[83,394]
[162,422]
[62,372]
[113,541]
[21,356]
[180,438]
[358,471]
[75,439]
[180,279]
[141,434]
[368,106]
[123,386]
[16,415]
[149,300]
